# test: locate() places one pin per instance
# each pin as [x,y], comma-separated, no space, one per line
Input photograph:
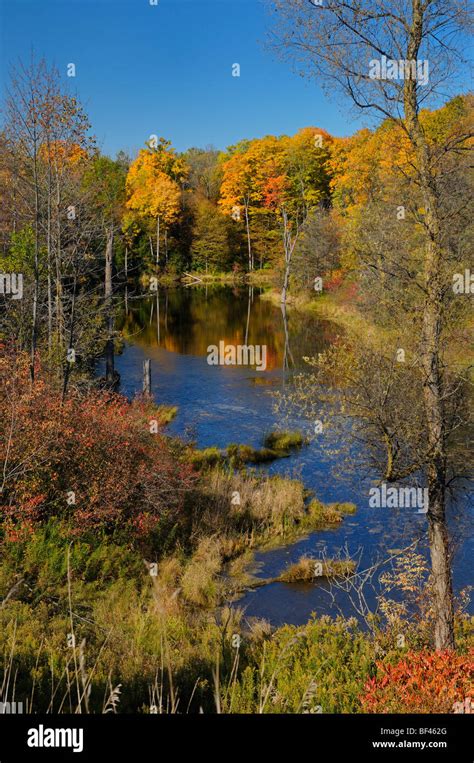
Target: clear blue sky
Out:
[167,69]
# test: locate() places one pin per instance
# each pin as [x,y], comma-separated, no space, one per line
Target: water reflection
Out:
[188,321]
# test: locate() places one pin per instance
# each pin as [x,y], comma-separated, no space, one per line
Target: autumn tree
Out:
[238,192]
[47,144]
[153,192]
[204,176]
[210,243]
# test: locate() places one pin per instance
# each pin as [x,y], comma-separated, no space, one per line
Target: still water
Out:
[219,404]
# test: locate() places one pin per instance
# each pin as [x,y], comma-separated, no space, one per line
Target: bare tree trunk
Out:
[109,346]
[126,280]
[67,372]
[433,382]
[249,245]
[34,327]
[49,264]
[158,241]
[289,244]
[58,298]
[158,316]
[146,378]
[286,280]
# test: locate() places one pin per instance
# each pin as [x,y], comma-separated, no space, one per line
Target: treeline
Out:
[77,225]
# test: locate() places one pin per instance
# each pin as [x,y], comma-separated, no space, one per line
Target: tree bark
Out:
[48,247]
[146,378]
[158,241]
[288,246]
[34,327]
[249,244]
[431,349]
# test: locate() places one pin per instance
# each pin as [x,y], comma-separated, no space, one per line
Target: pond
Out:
[222,404]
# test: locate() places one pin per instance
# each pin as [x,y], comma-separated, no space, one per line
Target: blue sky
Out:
[167,69]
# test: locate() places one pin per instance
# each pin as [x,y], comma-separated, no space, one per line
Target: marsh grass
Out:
[308,569]
[235,456]
[284,440]
[85,627]
[141,646]
[324,515]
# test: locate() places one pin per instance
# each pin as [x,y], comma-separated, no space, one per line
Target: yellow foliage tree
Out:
[152,194]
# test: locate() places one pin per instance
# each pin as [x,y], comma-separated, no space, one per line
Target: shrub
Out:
[422,682]
[94,460]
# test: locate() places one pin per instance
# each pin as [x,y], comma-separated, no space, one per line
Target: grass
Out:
[335,307]
[144,641]
[276,445]
[246,510]
[308,569]
[235,456]
[324,515]
[238,455]
[166,413]
[207,457]
[284,441]
[198,583]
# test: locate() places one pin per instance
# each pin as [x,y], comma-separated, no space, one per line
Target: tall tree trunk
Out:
[67,372]
[431,361]
[158,316]
[126,280]
[58,296]
[249,244]
[286,280]
[147,378]
[109,346]
[34,319]
[49,255]
[158,241]
[289,243]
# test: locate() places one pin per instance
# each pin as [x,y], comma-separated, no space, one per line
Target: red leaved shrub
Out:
[422,682]
[90,459]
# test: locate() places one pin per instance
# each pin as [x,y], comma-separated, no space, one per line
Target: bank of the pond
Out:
[341,310]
